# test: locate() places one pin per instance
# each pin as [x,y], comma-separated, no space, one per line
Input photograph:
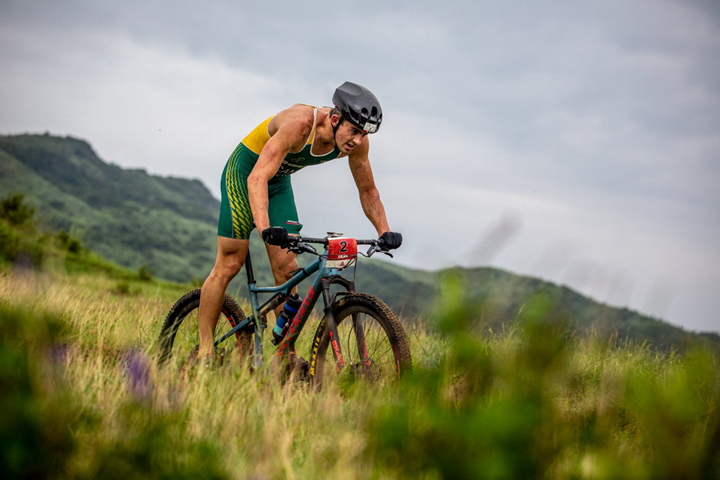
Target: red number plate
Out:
[342,252]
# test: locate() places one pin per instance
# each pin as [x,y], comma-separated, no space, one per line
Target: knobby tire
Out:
[182,319]
[388,348]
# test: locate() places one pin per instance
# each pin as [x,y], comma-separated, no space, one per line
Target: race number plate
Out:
[342,252]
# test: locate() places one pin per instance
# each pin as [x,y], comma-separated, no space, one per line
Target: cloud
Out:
[591,129]
[142,106]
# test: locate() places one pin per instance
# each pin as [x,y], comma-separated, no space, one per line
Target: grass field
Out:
[82,398]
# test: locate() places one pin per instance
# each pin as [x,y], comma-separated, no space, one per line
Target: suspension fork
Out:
[360,341]
[331,326]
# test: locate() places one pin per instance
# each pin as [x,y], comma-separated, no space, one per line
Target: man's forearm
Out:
[258,196]
[375,211]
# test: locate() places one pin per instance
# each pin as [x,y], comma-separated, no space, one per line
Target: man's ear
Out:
[335,120]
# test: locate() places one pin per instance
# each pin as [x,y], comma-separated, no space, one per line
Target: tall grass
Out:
[79,384]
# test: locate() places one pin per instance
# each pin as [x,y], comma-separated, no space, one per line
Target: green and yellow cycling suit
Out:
[236,220]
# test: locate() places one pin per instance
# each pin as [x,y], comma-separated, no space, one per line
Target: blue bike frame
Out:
[258,320]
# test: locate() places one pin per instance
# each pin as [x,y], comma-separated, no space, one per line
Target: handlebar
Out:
[324,241]
[298,244]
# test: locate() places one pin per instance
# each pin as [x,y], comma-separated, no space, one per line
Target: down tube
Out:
[301,317]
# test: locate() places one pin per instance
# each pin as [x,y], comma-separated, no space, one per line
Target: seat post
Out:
[249,268]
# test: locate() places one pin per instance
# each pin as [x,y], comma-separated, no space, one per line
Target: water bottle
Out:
[292,304]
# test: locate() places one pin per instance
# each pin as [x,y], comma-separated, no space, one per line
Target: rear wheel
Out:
[359,316]
[178,341]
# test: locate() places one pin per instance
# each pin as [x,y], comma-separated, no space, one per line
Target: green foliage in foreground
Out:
[46,433]
[551,407]
[532,402]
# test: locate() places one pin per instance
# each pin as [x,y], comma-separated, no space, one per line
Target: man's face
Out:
[348,137]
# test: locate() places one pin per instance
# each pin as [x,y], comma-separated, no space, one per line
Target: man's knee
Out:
[226,269]
[230,258]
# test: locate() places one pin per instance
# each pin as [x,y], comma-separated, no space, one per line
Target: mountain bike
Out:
[358,336]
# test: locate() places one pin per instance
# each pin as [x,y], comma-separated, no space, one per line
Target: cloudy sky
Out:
[574,141]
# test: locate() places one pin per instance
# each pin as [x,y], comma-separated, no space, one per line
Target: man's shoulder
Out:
[298,116]
[299,112]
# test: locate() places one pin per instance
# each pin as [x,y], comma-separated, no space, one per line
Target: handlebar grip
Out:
[322,241]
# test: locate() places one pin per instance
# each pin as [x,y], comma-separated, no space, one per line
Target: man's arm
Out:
[292,130]
[369,195]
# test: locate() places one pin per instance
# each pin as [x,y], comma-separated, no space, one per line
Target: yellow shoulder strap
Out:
[256,140]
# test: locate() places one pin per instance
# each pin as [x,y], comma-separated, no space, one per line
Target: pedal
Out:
[299,366]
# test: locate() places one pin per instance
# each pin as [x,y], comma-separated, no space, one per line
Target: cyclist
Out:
[256,188]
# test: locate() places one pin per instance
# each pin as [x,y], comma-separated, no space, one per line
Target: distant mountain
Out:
[127,216]
[169,225]
[496,298]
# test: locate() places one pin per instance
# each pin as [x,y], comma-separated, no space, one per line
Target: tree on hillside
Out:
[15,211]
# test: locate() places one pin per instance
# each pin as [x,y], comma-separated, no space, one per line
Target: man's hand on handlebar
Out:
[390,240]
[277,236]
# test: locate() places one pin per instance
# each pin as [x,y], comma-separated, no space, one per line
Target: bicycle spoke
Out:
[378,343]
[350,351]
[373,349]
[187,339]
[374,339]
[388,350]
[360,340]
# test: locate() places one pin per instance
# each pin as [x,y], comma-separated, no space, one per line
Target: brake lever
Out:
[375,249]
[300,247]
[381,248]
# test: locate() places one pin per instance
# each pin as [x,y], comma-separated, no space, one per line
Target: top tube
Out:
[293,281]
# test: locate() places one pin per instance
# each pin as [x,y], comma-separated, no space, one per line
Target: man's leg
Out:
[230,258]
[283,263]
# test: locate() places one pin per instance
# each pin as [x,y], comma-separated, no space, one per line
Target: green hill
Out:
[168,224]
[127,216]
[496,298]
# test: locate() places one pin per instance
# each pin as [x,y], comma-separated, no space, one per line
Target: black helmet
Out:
[359,106]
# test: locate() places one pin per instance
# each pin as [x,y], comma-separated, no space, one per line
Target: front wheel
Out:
[179,334]
[373,343]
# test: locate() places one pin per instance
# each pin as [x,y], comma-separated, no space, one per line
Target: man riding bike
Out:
[256,188]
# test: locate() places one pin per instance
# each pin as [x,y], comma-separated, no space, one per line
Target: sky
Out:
[578,142]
